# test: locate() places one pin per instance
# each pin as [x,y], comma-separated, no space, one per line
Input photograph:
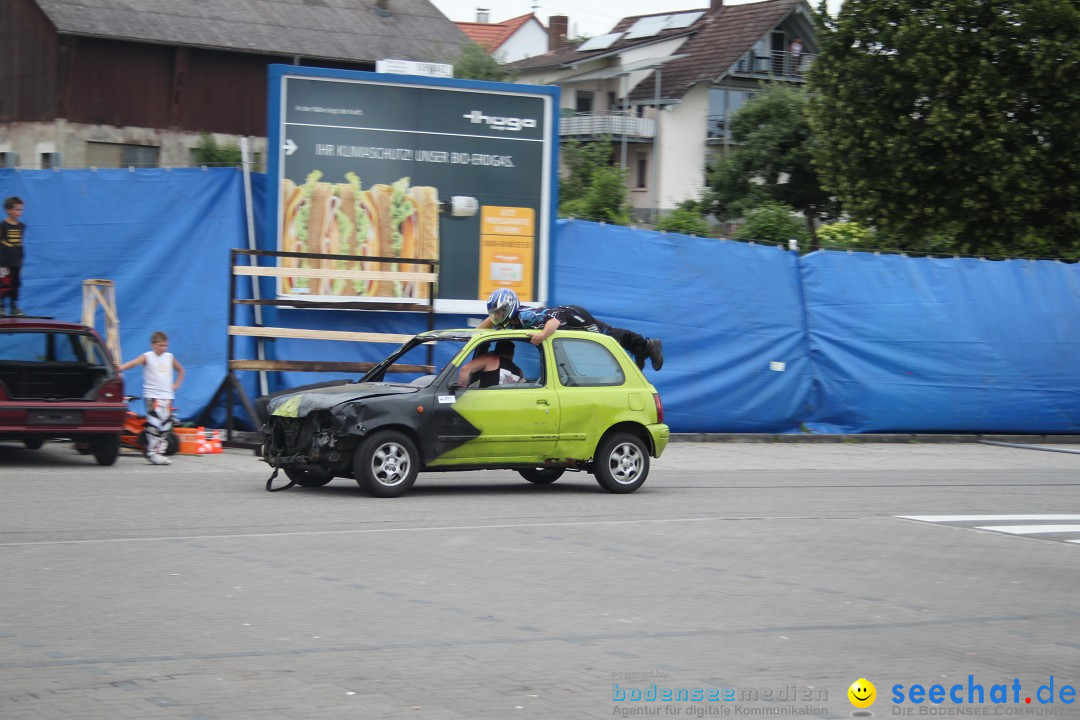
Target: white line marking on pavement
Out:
[418,529]
[976,518]
[1031,529]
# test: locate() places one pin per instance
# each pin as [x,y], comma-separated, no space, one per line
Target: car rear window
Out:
[584,363]
[51,346]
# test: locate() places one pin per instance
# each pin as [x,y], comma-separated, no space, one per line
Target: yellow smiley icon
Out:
[862,693]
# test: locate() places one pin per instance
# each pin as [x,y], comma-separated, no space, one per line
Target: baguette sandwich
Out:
[387,220]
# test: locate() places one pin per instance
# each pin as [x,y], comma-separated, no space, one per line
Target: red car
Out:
[57,379]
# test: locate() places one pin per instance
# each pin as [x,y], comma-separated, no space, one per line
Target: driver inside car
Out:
[490,369]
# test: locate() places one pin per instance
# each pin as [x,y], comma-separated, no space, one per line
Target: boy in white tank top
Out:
[162,375]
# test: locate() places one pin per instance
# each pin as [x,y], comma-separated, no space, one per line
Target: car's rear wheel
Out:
[33,443]
[386,464]
[105,449]
[621,463]
[542,476]
[308,477]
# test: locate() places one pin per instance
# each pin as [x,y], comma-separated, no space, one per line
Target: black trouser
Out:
[630,341]
[13,291]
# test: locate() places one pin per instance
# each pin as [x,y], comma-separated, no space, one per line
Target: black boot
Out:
[656,353]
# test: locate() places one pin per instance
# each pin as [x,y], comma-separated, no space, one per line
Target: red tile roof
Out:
[491,36]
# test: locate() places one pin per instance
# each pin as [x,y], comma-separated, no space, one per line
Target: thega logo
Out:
[499,123]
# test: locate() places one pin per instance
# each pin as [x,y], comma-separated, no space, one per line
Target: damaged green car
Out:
[575,402]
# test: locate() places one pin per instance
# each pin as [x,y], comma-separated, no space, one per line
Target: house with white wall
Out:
[510,40]
[663,87]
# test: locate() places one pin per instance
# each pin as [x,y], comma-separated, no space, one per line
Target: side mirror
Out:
[453,386]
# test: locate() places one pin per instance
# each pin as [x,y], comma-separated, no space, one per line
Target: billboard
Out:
[379,165]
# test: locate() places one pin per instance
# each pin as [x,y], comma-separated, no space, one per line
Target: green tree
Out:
[591,187]
[775,223]
[953,120]
[208,152]
[474,63]
[770,161]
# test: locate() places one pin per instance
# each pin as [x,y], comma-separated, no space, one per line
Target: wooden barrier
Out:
[231,386]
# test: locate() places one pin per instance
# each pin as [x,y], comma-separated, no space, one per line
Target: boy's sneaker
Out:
[156,459]
[656,353]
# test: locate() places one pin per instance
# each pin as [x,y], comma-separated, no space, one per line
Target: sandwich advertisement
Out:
[398,166]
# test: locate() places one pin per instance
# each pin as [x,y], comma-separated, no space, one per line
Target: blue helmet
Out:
[502,306]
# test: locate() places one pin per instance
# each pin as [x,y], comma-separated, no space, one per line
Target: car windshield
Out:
[419,361]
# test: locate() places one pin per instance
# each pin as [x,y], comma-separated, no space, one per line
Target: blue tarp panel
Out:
[943,345]
[724,310]
[162,236]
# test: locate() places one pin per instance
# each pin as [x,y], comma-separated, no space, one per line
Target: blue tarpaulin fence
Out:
[757,338]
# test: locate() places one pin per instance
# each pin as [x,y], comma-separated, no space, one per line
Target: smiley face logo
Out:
[862,693]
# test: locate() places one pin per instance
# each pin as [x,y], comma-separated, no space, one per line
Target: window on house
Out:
[642,169]
[102,154]
[584,101]
[723,103]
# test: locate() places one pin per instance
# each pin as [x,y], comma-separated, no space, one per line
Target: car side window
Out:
[527,357]
[584,363]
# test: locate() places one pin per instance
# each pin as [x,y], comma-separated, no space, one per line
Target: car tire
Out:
[105,449]
[542,476]
[621,463]
[34,443]
[386,464]
[308,477]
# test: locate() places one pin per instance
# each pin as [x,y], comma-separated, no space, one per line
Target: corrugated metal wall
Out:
[98,81]
[29,89]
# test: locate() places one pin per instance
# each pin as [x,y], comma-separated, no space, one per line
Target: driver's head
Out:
[505,348]
[502,306]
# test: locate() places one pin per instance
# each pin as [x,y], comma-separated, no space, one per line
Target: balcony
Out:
[594,125]
[778,65]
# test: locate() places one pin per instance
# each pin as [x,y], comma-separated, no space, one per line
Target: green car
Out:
[575,402]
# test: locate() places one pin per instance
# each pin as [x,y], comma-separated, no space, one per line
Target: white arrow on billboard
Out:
[290,146]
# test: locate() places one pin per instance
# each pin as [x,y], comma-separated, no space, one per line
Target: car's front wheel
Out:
[542,476]
[386,464]
[308,477]
[621,463]
[105,449]
[33,443]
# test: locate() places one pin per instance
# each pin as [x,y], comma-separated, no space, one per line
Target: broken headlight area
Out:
[298,440]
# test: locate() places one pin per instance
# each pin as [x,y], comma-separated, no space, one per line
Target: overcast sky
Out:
[586,18]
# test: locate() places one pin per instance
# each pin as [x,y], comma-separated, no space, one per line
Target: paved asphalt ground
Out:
[783,572]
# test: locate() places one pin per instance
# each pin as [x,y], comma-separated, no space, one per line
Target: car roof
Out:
[469,333]
[41,323]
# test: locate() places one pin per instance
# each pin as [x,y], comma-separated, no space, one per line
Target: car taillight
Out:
[659,407]
[112,391]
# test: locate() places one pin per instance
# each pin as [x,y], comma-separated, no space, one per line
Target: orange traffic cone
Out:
[203,445]
[215,442]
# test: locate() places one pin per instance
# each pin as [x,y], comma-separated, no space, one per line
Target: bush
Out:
[846,235]
[683,220]
[209,153]
[773,223]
